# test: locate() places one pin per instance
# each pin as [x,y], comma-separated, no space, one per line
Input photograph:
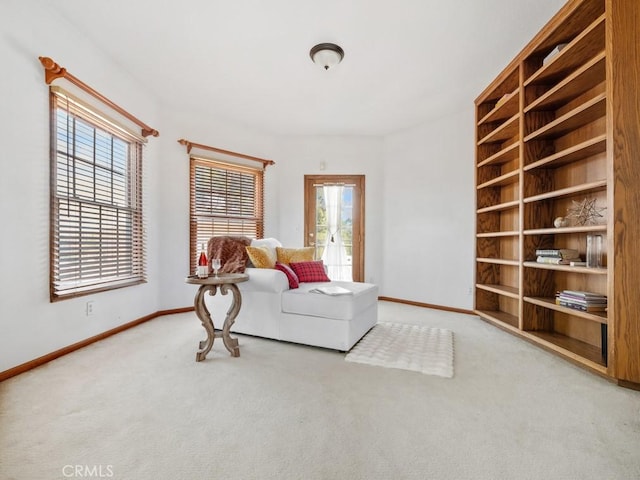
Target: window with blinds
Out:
[97,240]
[226,199]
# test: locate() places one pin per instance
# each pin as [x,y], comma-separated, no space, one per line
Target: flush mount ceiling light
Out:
[326,55]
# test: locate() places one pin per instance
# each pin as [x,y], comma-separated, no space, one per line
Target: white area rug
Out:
[408,347]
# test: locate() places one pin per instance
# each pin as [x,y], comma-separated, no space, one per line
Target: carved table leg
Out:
[205,317]
[231,343]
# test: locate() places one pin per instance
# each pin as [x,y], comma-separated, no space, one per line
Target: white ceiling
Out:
[406,61]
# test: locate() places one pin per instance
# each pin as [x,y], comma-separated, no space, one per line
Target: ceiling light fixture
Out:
[326,55]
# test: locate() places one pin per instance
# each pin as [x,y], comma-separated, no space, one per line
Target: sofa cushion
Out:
[341,307]
[271,243]
[262,257]
[288,255]
[265,242]
[310,271]
[291,275]
[264,281]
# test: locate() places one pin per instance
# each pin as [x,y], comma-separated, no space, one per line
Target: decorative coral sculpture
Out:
[585,212]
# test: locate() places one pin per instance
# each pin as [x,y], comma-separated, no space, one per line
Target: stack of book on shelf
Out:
[559,256]
[585,301]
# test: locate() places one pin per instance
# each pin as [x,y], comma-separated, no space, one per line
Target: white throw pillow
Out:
[266,242]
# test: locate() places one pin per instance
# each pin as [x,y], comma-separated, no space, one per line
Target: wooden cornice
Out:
[191,145]
[53,71]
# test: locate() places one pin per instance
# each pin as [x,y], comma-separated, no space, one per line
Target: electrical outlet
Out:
[470,291]
[89,309]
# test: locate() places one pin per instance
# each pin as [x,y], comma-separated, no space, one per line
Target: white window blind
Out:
[97,240]
[226,199]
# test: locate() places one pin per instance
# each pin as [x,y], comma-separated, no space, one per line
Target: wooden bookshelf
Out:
[552,131]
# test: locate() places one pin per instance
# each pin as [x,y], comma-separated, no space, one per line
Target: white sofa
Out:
[271,309]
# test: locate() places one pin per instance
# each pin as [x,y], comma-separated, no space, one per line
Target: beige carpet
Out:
[417,348]
[139,406]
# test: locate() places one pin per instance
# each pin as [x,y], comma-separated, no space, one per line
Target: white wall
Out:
[300,156]
[428,212]
[31,326]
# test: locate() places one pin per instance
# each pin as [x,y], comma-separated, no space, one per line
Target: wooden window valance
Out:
[191,145]
[54,71]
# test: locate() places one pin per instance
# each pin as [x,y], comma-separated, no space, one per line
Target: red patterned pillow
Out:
[310,271]
[291,275]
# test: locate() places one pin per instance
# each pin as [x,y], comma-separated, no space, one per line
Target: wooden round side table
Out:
[225,282]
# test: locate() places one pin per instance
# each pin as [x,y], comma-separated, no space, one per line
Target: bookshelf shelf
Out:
[550,303]
[566,268]
[506,233]
[580,151]
[586,77]
[499,207]
[505,131]
[569,191]
[585,46]
[576,350]
[506,154]
[506,179]
[499,261]
[567,230]
[507,109]
[501,318]
[579,116]
[505,290]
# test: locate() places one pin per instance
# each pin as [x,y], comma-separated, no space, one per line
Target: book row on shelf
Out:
[568,256]
[560,256]
[580,300]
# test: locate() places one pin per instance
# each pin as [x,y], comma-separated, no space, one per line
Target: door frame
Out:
[357,261]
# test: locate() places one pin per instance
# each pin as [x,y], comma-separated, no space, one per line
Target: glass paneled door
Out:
[334,223]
